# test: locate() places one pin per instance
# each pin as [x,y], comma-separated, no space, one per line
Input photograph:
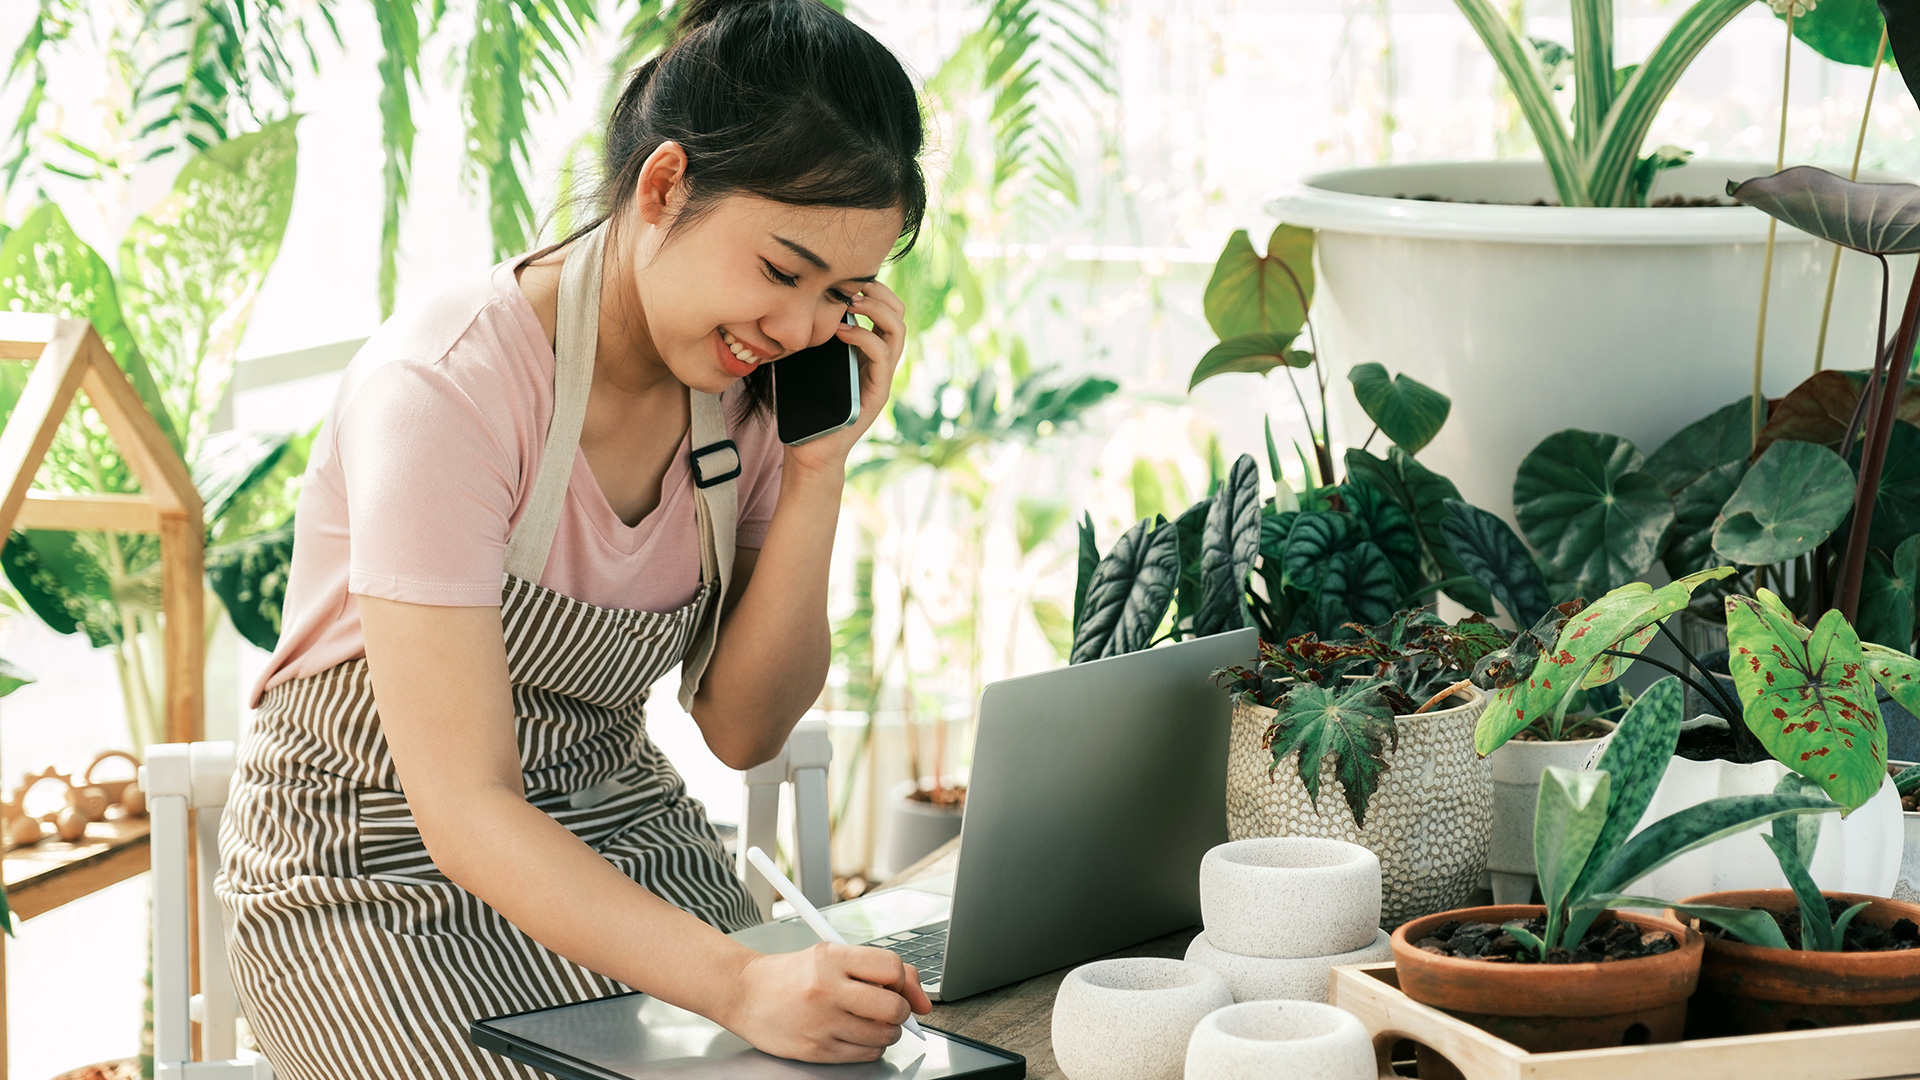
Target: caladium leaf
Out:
[1724,435]
[1636,757]
[1819,409]
[1696,509]
[1408,411]
[1254,294]
[1129,593]
[1352,723]
[1424,495]
[1879,219]
[1229,544]
[1897,672]
[1811,703]
[1887,594]
[1250,354]
[1693,828]
[1787,505]
[1583,502]
[1487,548]
[1568,815]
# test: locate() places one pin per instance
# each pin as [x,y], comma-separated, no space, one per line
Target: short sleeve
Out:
[430,489]
[758,500]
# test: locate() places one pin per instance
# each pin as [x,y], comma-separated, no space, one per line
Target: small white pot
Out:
[1857,854]
[1129,1018]
[1517,767]
[911,830]
[1281,1040]
[1290,896]
[1259,978]
[1908,887]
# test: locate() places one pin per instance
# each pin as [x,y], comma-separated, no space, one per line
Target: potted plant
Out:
[1388,715]
[1619,272]
[1787,959]
[1803,700]
[1571,973]
[1906,783]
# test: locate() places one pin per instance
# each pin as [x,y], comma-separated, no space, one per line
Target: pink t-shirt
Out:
[425,463]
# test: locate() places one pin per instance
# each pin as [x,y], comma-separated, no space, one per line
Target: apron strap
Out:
[715,467]
[576,332]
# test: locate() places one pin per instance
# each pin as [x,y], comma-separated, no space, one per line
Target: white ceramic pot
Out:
[1908,887]
[1290,896]
[1281,1040]
[1259,978]
[1645,317]
[1517,766]
[910,830]
[1858,854]
[1130,1018]
[1428,821]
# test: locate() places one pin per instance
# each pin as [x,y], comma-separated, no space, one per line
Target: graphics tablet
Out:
[635,1037]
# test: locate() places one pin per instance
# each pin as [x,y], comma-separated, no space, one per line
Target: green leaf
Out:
[1055,623]
[1568,815]
[250,577]
[1749,925]
[1036,519]
[1254,294]
[1847,31]
[1801,832]
[1584,504]
[1897,672]
[1315,540]
[1722,436]
[1696,509]
[1696,827]
[1359,587]
[1896,510]
[1787,505]
[1408,411]
[1489,550]
[1351,723]
[1636,757]
[1810,703]
[1521,934]
[1887,594]
[1191,527]
[1879,219]
[63,584]
[12,677]
[1230,542]
[1389,527]
[230,464]
[1903,41]
[1424,495]
[1252,354]
[1129,593]
[1816,926]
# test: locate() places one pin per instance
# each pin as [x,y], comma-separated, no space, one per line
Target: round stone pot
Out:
[1290,896]
[1749,990]
[1517,767]
[1260,978]
[1130,1018]
[1428,822]
[1280,1040]
[1547,1007]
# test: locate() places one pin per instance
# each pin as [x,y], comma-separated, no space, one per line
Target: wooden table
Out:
[1019,1017]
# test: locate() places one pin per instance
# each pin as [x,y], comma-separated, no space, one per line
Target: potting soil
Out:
[1859,937]
[1614,940]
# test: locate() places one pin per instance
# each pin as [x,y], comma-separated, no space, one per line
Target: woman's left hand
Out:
[880,350]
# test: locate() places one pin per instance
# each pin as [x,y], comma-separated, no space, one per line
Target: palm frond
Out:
[399,61]
[1036,52]
[52,21]
[222,67]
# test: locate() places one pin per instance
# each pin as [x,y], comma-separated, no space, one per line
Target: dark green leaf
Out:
[1089,559]
[1887,594]
[1584,504]
[1230,542]
[1722,436]
[1191,527]
[1252,354]
[1636,758]
[1696,509]
[1787,505]
[1351,723]
[1314,541]
[63,584]
[1129,593]
[1903,41]
[1879,219]
[250,577]
[1847,31]
[1816,926]
[1424,495]
[1568,815]
[1819,409]
[1254,294]
[1488,550]
[1696,827]
[1896,510]
[1409,412]
[1359,586]
[1390,528]
[1750,925]
[1907,781]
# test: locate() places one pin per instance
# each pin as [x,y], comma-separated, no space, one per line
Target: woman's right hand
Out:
[828,1003]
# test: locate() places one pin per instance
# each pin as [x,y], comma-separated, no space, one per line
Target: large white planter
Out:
[1517,767]
[1858,854]
[1635,321]
[1428,821]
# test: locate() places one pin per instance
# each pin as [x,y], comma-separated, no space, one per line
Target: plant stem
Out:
[1773,224]
[1721,698]
[1706,695]
[1873,455]
[1833,271]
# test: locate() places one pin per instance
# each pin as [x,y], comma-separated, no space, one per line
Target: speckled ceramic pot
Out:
[1280,1040]
[1290,896]
[1130,1018]
[1429,821]
[1259,978]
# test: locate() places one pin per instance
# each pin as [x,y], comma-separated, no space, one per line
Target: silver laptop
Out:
[1095,790]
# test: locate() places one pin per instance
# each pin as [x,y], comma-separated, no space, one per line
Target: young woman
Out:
[447,807]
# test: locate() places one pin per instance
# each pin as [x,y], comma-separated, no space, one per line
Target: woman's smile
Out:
[737,358]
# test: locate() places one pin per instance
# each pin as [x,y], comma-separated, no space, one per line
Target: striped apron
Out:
[356,958]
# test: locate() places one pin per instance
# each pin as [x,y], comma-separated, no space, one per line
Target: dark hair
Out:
[784,99]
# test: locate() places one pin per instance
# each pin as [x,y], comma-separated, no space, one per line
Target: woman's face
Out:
[751,281]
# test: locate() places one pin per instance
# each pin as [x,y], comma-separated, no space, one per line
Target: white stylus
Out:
[807,912]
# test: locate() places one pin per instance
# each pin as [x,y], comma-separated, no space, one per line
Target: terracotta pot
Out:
[1547,1007]
[1748,989]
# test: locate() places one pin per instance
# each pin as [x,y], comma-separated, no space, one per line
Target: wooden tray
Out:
[1867,1052]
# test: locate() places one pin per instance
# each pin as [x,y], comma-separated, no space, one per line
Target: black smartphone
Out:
[816,391]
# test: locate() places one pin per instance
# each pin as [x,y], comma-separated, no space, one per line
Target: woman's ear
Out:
[662,186]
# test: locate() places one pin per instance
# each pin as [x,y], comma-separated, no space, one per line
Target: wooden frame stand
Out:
[1868,1052]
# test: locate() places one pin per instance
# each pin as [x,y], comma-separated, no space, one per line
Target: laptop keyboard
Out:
[924,947]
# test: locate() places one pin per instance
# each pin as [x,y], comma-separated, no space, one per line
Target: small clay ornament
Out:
[22,831]
[71,824]
[133,801]
[89,800]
